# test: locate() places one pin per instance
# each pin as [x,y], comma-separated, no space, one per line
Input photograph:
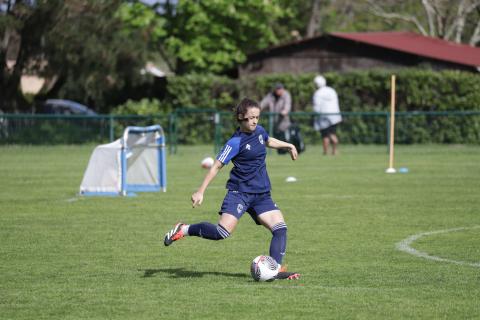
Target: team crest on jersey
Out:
[247,147]
[260,138]
[239,208]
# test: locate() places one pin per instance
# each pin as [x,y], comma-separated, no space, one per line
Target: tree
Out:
[215,35]
[453,20]
[314,21]
[21,32]
[84,48]
[308,18]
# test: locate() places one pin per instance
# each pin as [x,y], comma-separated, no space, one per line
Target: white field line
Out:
[404,246]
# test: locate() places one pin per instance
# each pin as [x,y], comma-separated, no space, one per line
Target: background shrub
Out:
[359,91]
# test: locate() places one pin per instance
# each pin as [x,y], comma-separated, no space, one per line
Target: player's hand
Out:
[293,152]
[197,199]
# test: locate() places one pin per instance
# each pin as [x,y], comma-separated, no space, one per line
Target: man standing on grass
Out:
[280,102]
[325,102]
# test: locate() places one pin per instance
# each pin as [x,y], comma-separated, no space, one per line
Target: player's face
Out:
[249,124]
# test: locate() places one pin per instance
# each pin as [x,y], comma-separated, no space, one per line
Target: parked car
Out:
[61,106]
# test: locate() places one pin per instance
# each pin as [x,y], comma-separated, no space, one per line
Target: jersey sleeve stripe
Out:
[225,153]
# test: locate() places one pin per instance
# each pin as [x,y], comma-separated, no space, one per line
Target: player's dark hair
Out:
[243,106]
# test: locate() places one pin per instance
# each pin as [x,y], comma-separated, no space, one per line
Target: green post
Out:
[172,132]
[270,124]
[270,128]
[388,132]
[218,132]
[110,117]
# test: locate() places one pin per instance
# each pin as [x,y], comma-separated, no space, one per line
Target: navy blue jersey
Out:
[247,150]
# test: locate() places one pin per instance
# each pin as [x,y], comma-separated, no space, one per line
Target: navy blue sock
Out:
[278,245]
[208,230]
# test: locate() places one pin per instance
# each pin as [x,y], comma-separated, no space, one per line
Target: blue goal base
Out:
[108,194]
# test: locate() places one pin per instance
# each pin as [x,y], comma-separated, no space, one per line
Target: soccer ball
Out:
[264,268]
[207,163]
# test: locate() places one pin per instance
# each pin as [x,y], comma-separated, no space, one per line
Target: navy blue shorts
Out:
[236,203]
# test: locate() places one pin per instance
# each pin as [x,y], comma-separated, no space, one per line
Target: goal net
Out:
[134,163]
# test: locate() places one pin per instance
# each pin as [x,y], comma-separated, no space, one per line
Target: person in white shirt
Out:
[325,102]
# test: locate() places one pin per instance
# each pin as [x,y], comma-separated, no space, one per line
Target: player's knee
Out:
[222,233]
[279,229]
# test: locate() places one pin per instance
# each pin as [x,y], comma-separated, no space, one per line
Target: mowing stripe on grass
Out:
[404,246]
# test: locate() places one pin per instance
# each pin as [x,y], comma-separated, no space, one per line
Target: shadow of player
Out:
[182,273]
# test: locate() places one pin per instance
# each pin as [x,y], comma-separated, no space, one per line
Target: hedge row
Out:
[417,90]
[359,91]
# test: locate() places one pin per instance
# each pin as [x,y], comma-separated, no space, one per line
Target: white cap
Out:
[320,81]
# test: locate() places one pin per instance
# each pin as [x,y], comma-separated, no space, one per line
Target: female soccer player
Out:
[248,186]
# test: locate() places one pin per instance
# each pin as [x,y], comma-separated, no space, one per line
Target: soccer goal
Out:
[134,163]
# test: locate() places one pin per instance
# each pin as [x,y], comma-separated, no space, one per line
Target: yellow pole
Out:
[392,123]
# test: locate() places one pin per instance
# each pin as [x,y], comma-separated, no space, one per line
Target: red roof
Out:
[419,45]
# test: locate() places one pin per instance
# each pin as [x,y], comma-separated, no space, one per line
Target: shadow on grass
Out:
[182,273]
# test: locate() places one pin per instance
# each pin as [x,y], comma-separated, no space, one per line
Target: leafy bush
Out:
[202,91]
[143,107]
[188,108]
[359,91]
[151,110]
[62,130]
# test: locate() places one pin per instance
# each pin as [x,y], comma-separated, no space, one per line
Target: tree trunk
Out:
[476,35]
[314,22]
[430,12]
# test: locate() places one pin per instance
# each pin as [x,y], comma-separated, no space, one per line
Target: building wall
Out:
[327,55]
[297,65]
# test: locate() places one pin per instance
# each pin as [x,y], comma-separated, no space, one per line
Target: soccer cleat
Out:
[294,276]
[173,235]
[288,275]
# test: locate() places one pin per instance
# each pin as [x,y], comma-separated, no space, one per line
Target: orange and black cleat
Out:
[288,275]
[173,235]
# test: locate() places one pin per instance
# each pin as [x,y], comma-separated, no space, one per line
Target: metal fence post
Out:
[218,132]
[172,132]
[110,118]
[270,128]
[388,131]
[270,124]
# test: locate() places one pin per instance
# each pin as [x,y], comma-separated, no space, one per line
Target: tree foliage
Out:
[83,48]
[93,51]
[453,20]
[215,35]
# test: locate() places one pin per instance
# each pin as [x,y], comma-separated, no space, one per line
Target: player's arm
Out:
[279,144]
[197,197]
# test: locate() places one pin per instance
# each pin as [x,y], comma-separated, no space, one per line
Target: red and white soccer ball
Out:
[207,163]
[264,268]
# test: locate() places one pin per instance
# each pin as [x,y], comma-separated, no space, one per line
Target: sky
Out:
[3,3]
[152,2]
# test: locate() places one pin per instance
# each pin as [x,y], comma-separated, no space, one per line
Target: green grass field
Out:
[65,257]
